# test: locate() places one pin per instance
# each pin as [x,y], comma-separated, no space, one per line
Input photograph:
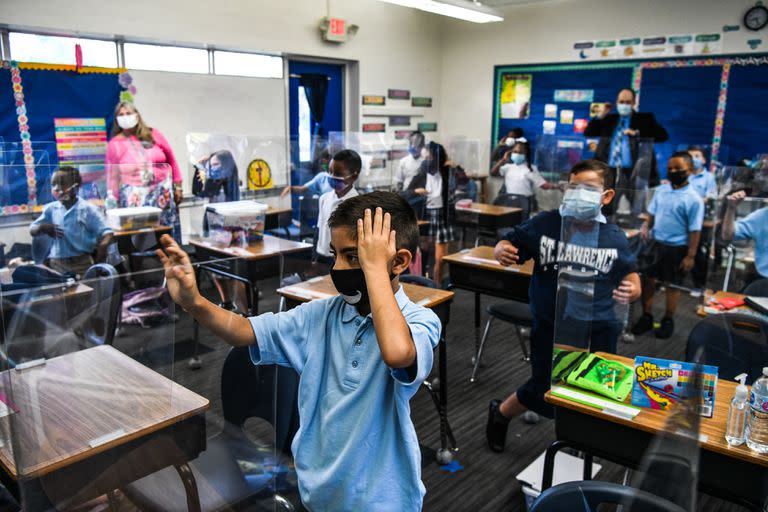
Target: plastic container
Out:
[137,217]
[757,433]
[236,223]
[736,427]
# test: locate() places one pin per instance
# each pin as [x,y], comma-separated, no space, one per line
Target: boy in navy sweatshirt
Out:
[615,280]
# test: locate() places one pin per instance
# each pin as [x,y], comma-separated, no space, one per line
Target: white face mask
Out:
[127,121]
[510,141]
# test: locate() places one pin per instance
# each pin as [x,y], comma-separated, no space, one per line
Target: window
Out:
[305,128]
[61,50]
[247,64]
[165,58]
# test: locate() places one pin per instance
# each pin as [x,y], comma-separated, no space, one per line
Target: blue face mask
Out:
[698,163]
[517,158]
[624,109]
[215,172]
[414,151]
[581,203]
[338,184]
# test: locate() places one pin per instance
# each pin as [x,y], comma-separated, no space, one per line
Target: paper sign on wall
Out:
[550,110]
[566,117]
[548,127]
[607,49]
[596,109]
[654,46]
[574,95]
[515,96]
[680,45]
[82,143]
[629,47]
[708,44]
[579,125]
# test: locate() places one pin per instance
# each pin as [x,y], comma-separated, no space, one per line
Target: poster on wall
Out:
[597,109]
[515,96]
[374,127]
[399,120]
[417,101]
[629,48]
[680,45]
[654,46]
[607,49]
[708,44]
[574,95]
[566,117]
[402,134]
[427,127]
[374,100]
[399,94]
[548,127]
[584,49]
[579,125]
[550,111]
[82,143]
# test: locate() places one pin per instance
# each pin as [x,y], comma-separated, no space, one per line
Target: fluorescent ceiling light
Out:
[459,9]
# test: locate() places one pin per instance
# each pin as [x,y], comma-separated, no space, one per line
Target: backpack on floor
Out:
[146,307]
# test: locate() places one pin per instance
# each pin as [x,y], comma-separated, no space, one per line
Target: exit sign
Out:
[334,30]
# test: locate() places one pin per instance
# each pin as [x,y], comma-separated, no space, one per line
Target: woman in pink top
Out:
[141,167]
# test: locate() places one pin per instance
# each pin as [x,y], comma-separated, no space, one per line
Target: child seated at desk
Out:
[752,227]
[343,172]
[615,280]
[361,355]
[77,227]
[675,218]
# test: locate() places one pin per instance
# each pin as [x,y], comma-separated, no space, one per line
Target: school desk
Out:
[322,287]
[736,473]
[277,218]
[487,218]
[476,270]
[140,240]
[92,421]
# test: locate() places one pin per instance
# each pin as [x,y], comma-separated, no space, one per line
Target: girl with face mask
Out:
[141,167]
[521,178]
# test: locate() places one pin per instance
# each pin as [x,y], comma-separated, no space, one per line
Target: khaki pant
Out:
[76,264]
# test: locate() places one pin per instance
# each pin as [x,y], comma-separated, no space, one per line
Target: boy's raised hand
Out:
[505,253]
[179,274]
[376,242]
[736,198]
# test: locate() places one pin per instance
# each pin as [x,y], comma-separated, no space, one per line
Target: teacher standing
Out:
[620,136]
[136,175]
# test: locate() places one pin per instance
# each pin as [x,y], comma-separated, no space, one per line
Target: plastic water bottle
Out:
[110,202]
[757,435]
[735,429]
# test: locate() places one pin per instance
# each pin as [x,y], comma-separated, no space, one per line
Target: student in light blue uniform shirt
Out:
[77,228]
[361,355]
[676,215]
[701,180]
[752,227]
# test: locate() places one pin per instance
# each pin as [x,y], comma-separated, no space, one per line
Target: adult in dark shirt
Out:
[620,145]
[615,279]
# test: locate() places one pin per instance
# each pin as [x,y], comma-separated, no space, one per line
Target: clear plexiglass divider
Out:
[379,153]
[105,385]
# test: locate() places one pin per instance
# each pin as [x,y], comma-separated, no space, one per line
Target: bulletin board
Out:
[31,97]
[713,101]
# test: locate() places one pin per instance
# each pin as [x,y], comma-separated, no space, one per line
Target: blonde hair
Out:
[142,131]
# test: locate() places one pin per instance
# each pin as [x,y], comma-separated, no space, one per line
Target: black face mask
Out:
[350,283]
[677,178]
[429,166]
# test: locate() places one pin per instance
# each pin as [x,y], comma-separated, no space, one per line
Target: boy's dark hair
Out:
[634,94]
[696,148]
[70,173]
[403,217]
[601,168]
[685,155]
[516,132]
[419,138]
[350,159]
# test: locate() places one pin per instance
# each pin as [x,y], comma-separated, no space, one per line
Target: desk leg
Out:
[190,486]
[477,322]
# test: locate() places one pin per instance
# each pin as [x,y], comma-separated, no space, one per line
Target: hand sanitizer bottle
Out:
[735,430]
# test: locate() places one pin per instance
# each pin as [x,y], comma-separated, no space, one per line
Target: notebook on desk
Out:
[759,304]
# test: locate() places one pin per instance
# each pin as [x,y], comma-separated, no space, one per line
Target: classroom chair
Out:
[733,342]
[516,313]
[587,496]
[247,391]
[101,323]
[757,288]
[308,211]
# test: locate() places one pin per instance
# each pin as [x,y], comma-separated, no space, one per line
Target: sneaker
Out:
[666,329]
[496,430]
[643,325]
[697,292]
[531,418]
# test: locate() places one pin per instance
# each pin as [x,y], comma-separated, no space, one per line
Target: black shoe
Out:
[496,430]
[643,325]
[666,330]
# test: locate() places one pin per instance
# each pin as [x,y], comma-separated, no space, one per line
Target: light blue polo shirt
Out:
[703,183]
[676,213]
[83,225]
[755,227]
[319,184]
[356,447]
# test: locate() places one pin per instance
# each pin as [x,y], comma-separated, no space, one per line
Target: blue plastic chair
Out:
[588,495]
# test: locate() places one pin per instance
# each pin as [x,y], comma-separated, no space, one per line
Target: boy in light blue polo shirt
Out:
[701,180]
[752,227]
[676,214]
[78,228]
[361,356]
